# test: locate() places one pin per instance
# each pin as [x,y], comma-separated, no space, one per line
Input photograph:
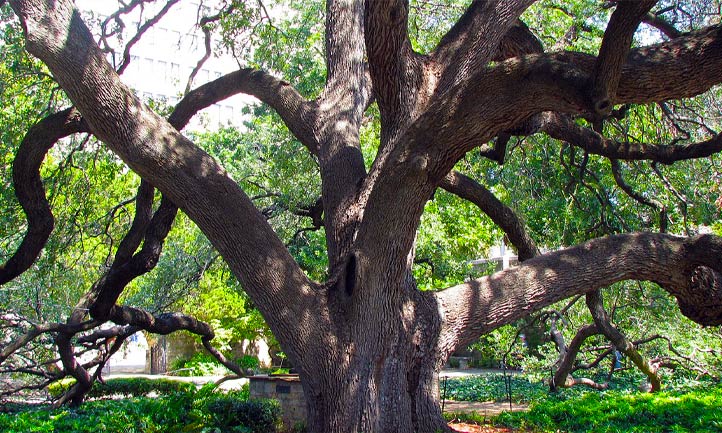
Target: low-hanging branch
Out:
[502,215]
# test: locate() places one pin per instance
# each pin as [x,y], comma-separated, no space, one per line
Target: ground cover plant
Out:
[689,410]
[529,389]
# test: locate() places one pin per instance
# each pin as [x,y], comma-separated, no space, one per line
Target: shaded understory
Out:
[686,406]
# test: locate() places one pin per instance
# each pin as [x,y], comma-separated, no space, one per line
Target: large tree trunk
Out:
[380,372]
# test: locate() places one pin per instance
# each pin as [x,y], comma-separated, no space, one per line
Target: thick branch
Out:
[106,291]
[614,50]
[502,215]
[157,152]
[502,96]
[566,362]
[662,25]
[687,268]
[299,115]
[477,38]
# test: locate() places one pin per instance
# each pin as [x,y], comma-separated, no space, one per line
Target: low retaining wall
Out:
[287,390]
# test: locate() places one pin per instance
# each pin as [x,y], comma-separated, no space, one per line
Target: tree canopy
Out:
[396,140]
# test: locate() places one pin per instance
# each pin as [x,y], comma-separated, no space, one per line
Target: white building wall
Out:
[163,59]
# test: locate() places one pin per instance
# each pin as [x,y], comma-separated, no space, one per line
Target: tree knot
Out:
[702,301]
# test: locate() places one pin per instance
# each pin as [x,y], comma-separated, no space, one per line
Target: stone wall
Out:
[287,390]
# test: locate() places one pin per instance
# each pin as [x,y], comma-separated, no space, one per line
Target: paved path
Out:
[486,408]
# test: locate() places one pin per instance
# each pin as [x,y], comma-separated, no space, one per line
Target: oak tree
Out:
[367,342]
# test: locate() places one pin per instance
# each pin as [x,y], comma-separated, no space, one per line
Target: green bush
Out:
[248,362]
[233,415]
[126,387]
[137,415]
[200,364]
[206,410]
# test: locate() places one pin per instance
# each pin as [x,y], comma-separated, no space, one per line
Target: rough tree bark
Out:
[367,343]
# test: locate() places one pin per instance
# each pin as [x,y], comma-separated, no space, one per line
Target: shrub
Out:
[126,387]
[206,410]
[233,415]
[138,415]
[248,362]
[200,364]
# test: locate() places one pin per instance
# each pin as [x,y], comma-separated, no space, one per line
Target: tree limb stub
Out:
[687,268]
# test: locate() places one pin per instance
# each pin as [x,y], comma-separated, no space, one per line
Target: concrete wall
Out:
[287,390]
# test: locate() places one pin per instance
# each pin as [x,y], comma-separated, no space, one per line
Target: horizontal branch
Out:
[564,128]
[688,268]
[298,114]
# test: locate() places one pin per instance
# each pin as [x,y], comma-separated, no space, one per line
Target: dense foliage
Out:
[206,410]
[126,387]
[562,194]
[691,410]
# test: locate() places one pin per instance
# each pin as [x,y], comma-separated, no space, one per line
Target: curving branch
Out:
[502,215]
[30,190]
[187,176]
[104,293]
[662,25]
[562,376]
[688,268]
[619,341]
[614,50]
[298,114]
[639,197]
